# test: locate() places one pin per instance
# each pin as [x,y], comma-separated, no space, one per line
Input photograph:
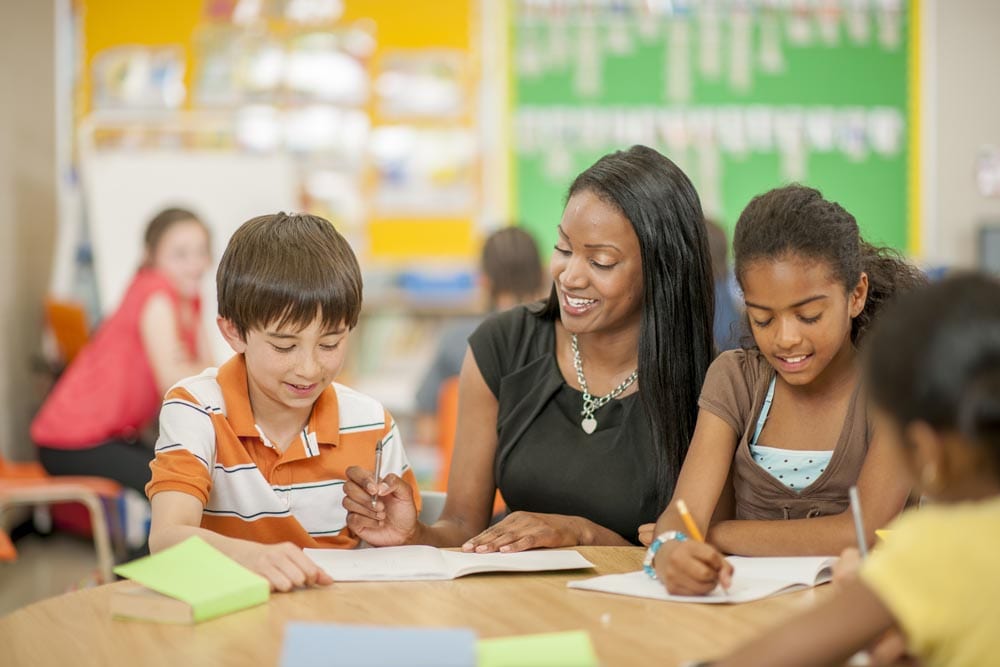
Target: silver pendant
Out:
[588,424]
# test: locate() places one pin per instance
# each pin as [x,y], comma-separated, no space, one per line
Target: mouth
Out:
[577,306]
[302,389]
[792,363]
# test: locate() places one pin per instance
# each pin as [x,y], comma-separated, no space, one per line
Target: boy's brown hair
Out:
[285,269]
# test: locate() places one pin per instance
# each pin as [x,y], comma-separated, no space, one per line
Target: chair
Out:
[68,322]
[447,422]
[29,484]
[432,502]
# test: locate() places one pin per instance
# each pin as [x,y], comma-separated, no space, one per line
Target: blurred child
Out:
[933,369]
[783,430]
[512,274]
[725,326]
[251,456]
[92,422]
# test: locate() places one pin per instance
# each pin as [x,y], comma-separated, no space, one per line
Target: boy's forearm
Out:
[168,536]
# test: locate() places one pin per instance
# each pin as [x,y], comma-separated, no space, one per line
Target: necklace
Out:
[592,403]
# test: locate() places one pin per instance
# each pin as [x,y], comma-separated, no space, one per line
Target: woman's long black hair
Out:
[675,334]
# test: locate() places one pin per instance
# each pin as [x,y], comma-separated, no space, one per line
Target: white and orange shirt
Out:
[211,448]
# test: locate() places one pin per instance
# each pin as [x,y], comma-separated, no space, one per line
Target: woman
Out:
[92,421]
[578,409]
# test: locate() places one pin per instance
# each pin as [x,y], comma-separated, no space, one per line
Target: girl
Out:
[93,420]
[783,431]
[934,376]
[579,409]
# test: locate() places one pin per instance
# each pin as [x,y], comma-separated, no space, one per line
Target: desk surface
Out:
[77,628]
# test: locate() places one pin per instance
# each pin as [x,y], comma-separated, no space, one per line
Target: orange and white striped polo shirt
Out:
[210,447]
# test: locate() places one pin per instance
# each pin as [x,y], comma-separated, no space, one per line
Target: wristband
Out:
[647,562]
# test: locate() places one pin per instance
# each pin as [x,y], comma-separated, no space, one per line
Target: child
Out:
[251,456]
[783,430]
[93,421]
[934,377]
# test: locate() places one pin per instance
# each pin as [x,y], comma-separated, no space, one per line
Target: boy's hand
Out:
[284,565]
[646,531]
[692,568]
[391,520]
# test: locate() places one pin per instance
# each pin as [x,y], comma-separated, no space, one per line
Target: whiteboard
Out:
[123,190]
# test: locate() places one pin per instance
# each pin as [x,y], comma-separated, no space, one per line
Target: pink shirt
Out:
[109,391]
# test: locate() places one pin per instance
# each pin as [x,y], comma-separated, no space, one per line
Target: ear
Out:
[858,296]
[232,335]
[929,460]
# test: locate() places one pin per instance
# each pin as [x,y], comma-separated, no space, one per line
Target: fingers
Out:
[847,565]
[517,532]
[646,531]
[693,568]
[364,508]
[286,567]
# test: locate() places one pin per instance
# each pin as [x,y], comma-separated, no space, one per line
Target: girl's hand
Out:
[646,531]
[391,519]
[847,565]
[519,531]
[692,568]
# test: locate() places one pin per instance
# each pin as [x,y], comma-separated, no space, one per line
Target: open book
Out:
[423,563]
[753,579]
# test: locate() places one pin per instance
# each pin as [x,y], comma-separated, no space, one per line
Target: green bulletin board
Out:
[831,89]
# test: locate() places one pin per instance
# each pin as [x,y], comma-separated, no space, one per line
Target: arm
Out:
[177,516]
[883,493]
[164,349]
[692,568]
[826,635]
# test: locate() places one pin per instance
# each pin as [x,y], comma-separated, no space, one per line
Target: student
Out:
[578,409]
[727,316]
[251,456]
[933,369]
[94,420]
[783,430]
[511,275]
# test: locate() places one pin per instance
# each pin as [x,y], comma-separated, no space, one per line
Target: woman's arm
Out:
[164,349]
[882,487]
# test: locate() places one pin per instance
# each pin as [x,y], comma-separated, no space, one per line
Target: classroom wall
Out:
[962,42]
[27,205]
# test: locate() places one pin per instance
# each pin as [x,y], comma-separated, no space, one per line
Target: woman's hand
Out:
[391,519]
[527,530]
[646,531]
[692,568]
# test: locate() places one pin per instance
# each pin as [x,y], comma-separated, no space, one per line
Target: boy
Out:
[251,456]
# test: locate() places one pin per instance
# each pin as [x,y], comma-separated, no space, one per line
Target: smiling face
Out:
[800,315]
[597,267]
[182,256]
[288,367]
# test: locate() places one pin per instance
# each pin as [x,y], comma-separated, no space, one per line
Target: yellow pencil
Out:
[689,523]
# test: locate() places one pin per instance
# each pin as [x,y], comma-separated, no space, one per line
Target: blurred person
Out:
[725,325]
[96,418]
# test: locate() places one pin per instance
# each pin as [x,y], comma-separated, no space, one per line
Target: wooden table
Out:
[77,628]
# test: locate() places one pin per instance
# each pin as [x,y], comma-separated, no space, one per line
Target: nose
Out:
[573,275]
[787,334]
[308,364]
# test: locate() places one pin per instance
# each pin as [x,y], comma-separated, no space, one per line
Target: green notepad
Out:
[198,581]
[553,649]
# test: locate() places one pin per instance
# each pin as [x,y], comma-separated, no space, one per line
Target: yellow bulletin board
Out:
[401,26]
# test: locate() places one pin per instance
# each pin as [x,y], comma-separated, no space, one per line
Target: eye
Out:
[603,267]
[329,347]
[761,324]
[283,350]
[810,320]
[563,251]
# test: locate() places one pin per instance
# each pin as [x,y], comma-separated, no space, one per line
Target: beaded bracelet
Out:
[647,562]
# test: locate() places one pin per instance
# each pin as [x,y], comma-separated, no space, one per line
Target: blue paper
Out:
[336,645]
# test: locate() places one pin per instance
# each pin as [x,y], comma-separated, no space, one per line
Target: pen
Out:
[859,525]
[688,520]
[378,472]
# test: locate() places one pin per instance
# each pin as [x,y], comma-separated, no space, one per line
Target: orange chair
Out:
[29,484]
[447,423]
[68,322]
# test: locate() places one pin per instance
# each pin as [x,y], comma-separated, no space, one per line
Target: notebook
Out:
[550,649]
[337,645]
[423,563]
[187,583]
[753,579]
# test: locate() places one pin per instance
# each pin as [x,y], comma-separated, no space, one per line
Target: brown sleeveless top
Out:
[734,391]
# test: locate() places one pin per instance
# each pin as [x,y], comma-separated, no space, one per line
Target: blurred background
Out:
[419,128]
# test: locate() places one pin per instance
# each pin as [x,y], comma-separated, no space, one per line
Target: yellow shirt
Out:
[938,574]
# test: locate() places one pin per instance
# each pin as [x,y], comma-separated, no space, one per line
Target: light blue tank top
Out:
[795,468]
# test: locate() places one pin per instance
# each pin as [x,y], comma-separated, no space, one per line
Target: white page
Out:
[424,563]
[753,579]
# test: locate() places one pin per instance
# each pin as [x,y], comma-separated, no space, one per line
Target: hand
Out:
[391,520]
[890,649]
[526,530]
[847,566]
[284,565]
[646,531]
[692,568]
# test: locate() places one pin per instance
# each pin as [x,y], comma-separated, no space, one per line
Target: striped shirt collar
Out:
[324,421]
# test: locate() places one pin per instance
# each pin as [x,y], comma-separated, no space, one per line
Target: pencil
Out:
[378,472]
[689,521]
[859,524]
